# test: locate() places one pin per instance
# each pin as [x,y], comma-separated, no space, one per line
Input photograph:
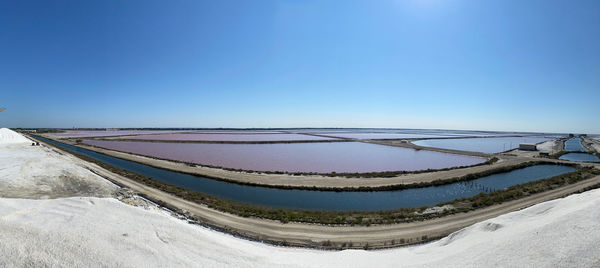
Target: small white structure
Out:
[527,147]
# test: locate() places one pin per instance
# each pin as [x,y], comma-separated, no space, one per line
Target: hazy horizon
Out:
[529,66]
[295,128]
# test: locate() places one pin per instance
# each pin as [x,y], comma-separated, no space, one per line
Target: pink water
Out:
[383,135]
[105,133]
[433,132]
[296,157]
[229,137]
[241,131]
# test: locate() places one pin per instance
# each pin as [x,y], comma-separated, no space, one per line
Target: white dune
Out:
[8,136]
[36,172]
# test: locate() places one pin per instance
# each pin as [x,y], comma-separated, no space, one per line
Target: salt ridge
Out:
[8,136]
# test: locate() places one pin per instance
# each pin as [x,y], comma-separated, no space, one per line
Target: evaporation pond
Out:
[323,157]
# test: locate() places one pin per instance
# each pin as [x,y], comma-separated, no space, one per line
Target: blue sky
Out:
[490,65]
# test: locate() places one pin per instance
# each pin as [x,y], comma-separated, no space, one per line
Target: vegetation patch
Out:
[522,190]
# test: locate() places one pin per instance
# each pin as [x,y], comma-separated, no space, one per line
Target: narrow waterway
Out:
[574,145]
[578,153]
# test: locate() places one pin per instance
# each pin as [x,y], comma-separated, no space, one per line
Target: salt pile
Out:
[40,172]
[86,231]
[8,136]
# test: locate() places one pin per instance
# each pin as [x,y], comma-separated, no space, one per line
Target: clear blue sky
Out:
[491,65]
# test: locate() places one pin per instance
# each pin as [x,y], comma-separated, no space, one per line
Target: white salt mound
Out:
[39,172]
[90,232]
[8,136]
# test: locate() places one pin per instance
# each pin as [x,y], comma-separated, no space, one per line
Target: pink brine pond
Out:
[107,133]
[250,137]
[296,157]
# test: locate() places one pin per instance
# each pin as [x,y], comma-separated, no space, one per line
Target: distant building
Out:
[403,141]
[527,147]
[545,154]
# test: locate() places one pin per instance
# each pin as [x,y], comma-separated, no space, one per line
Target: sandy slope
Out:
[103,231]
[548,146]
[8,136]
[40,172]
[596,144]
